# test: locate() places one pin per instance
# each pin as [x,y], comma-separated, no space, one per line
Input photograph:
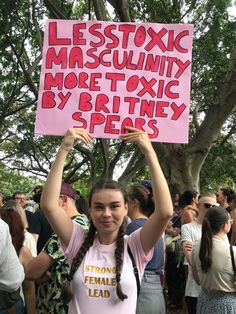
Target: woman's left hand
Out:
[139,137]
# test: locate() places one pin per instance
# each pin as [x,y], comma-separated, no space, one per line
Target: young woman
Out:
[29,240]
[212,265]
[101,275]
[140,207]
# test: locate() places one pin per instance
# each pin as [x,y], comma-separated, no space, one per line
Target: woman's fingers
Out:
[73,136]
[133,134]
[139,137]
[83,135]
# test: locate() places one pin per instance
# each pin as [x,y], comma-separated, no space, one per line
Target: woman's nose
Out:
[107,212]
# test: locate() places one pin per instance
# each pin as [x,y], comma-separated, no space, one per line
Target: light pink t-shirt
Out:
[94,284]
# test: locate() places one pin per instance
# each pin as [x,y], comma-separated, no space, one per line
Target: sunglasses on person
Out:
[207,205]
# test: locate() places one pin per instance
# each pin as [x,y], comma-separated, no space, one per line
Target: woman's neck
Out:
[219,236]
[137,215]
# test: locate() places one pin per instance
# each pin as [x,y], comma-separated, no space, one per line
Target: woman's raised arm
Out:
[57,217]
[157,222]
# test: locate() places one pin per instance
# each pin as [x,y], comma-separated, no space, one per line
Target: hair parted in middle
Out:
[89,239]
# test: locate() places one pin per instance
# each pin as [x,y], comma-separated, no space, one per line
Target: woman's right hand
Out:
[73,136]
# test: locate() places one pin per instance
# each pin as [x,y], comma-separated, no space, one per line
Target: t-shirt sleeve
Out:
[11,270]
[136,248]
[185,234]
[53,248]
[76,240]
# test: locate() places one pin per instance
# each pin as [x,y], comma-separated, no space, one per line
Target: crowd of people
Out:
[123,249]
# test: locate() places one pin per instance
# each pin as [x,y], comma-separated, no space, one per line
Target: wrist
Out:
[64,150]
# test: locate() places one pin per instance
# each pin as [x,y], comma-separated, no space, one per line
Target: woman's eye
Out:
[115,206]
[98,207]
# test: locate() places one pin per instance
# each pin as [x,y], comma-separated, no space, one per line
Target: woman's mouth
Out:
[107,222]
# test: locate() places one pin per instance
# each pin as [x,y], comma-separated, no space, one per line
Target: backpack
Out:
[171,242]
[174,245]
[8,299]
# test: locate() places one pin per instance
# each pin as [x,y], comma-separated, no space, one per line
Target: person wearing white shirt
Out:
[11,270]
[190,233]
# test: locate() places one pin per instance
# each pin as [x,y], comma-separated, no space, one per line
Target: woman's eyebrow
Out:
[112,203]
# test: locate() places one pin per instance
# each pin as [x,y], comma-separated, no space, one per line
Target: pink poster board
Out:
[103,76]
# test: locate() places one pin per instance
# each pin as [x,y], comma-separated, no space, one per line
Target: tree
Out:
[213,88]
[219,168]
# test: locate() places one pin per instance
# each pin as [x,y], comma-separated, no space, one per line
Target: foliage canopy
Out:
[213,113]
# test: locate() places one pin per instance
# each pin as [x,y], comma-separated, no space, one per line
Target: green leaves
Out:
[21,24]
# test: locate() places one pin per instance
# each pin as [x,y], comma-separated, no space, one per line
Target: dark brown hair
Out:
[186,198]
[143,196]
[88,242]
[16,226]
[229,193]
[214,219]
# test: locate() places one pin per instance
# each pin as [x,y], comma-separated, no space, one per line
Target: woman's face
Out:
[195,200]
[220,198]
[107,211]
[228,224]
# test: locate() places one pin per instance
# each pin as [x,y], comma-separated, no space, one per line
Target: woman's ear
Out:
[225,227]
[133,202]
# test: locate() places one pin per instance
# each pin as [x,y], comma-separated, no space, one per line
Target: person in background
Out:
[224,197]
[175,278]
[1,199]
[52,259]
[20,197]
[27,302]
[101,274]
[212,265]
[190,233]
[40,227]
[232,213]
[29,240]
[140,207]
[82,205]
[11,270]
[188,202]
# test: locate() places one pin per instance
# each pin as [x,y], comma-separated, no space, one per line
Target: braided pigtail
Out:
[119,253]
[66,293]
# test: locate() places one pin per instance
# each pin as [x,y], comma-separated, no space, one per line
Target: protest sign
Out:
[104,75]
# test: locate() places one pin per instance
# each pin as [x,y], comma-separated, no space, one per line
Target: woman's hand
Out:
[73,136]
[139,137]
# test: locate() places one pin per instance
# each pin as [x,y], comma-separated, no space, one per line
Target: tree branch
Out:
[121,8]
[56,13]
[100,10]
[117,157]
[105,155]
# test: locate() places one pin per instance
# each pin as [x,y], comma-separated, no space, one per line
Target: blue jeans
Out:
[151,298]
[20,309]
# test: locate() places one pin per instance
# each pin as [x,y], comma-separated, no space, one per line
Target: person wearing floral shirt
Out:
[50,266]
